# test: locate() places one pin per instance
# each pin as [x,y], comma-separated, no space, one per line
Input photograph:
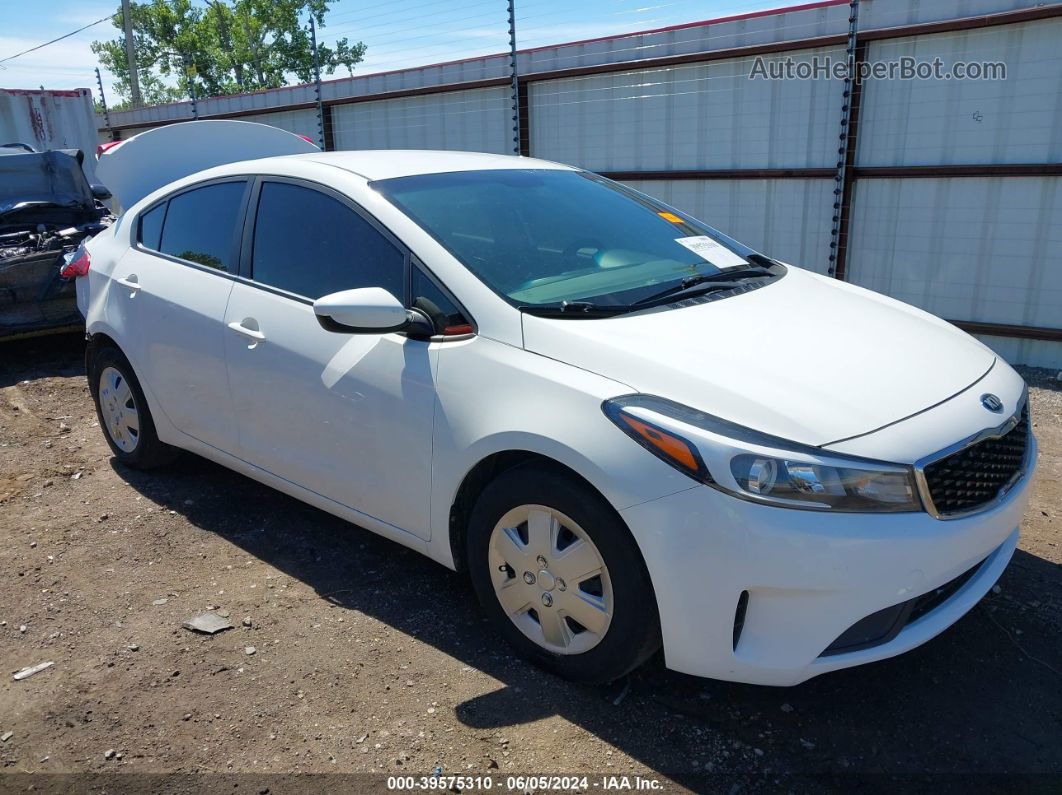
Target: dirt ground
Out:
[353,655]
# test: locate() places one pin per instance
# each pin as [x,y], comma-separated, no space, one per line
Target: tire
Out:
[541,619]
[117,394]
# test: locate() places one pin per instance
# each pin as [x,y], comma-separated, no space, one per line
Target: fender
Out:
[524,386]
[163,427]
[439,546]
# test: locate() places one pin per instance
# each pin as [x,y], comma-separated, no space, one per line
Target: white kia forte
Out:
[629,429]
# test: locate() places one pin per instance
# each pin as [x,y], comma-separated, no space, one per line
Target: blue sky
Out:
[399,34]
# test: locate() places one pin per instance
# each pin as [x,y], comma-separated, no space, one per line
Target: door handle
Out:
[130,282]
[250,333]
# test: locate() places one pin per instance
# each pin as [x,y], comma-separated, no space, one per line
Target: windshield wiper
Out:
[576,309]
[762,259]
[724,280]
[707,281]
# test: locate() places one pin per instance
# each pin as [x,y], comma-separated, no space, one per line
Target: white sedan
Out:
[629,429]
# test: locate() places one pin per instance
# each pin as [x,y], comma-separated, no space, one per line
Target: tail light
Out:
[78,265]
[104,147]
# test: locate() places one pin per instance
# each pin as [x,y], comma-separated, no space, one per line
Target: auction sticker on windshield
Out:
[712,251]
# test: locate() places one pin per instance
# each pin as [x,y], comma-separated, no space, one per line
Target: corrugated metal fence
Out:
[951,198]
[50,120]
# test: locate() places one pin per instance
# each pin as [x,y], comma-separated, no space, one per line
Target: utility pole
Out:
[317,85]
[130,54]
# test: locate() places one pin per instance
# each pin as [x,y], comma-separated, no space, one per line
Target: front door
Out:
[347,416]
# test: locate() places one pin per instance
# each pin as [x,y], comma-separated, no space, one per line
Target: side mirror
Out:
[368,310]
[99,191]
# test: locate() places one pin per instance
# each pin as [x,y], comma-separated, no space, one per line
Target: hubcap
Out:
[120,416]
[550,579]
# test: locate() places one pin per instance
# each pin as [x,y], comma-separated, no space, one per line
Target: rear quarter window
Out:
[151,227]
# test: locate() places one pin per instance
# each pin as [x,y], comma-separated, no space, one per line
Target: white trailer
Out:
[50,120]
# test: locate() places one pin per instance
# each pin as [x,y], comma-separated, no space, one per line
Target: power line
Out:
[53,41]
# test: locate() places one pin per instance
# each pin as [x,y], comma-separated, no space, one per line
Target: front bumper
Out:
[809,576]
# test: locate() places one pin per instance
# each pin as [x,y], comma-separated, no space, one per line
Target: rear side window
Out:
[151,227]
[311,244]
[201,225]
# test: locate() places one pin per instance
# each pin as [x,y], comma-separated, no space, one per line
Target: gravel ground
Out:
[353,655]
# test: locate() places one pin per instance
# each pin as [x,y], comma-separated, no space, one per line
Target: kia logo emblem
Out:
[991,402]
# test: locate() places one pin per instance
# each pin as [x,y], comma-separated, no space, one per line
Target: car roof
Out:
[177,154]
[386,163]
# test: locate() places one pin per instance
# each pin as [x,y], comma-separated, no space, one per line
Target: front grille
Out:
[884,625]
[973,477]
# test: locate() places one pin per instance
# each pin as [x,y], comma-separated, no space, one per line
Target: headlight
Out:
[759,467]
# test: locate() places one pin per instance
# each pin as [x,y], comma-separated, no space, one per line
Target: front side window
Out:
[201,225]
[310,244]
[542,237]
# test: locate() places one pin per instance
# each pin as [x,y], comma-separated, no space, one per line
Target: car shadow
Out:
[980,699]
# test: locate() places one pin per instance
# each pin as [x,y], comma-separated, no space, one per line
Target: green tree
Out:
[224,47]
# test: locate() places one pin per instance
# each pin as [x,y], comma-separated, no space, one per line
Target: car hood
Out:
[54,178]
[806,358]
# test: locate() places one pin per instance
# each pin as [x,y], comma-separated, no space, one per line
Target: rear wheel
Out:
[560,576]
[123,412]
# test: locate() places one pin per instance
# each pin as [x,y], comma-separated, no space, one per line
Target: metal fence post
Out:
[317,86]
[103,104]
[514,77]
[189,75]
[843,184]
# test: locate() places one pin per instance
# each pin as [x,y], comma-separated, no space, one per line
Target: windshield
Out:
[545,237]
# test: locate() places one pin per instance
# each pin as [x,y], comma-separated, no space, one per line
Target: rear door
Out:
[176,282]
[348,416]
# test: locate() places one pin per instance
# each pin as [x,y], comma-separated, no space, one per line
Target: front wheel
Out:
[560,576]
